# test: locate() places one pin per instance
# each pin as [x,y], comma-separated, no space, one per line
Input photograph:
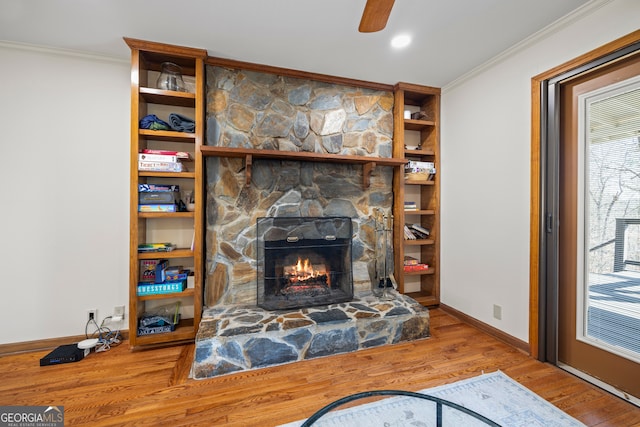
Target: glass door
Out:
[599,226]
[609,295]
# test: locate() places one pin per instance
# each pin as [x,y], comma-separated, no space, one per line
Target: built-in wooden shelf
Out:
[424,298]
[184,331]
[168,97]
[410,124]
[186,293]
[419,182]
[188,175]
[420,273]
[249,154]
[419,242]
[176,253]
[419,153]
[419,212]
[166,214]
[168,135]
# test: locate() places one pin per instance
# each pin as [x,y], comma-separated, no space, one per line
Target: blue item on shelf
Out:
[181,123]
[152,122]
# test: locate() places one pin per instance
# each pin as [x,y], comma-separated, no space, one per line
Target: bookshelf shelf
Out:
[424,286]
[419,242]
[174,227]
[186,293]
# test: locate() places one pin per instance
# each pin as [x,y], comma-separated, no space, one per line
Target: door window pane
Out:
[610,290]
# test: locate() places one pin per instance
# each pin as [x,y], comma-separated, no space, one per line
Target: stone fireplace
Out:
[303,262]
[259,225]
[265,111]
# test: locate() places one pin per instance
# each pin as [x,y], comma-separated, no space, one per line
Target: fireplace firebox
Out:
[303,261]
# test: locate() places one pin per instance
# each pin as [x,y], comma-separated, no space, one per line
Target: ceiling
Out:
[450,37]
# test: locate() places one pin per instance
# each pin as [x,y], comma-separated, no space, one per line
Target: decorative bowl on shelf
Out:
[170,78]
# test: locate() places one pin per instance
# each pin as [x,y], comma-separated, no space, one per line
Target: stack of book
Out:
[419,171]
[412,264]
[158,198]
[415,231]
[410,206]
[156,247]
[157,277]
[162,160]
[159,320]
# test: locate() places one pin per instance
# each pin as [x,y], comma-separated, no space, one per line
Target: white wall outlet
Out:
[118,313]
[92,314]
[117,320]
[497,312]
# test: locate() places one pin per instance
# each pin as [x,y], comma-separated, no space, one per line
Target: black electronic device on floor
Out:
[64,354]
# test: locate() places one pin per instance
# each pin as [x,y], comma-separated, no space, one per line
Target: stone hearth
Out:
[237,338]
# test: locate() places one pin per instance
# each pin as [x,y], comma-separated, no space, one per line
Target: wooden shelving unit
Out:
[424,286]
[146,60]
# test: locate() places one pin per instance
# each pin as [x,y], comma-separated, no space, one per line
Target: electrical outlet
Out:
[118,313]
[497,312]
[92,314]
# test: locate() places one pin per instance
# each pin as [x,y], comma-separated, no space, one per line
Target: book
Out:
[410,206]
[150,330]
[419,171]
[415,268]
[174,269]
[157,208]
[156,247]
[417,166]
[160,267]
[142,157]
[408,235]
[158,197]
[418,234]
[421,229]
[183,155]
[170,273]
[160,166]
[148,270]
[172,277]
[409,260]
[157,188]
[169,287]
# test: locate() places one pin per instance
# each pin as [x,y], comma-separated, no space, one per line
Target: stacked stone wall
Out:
[265,111]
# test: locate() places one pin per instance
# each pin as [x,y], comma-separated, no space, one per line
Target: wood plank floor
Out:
[151,388]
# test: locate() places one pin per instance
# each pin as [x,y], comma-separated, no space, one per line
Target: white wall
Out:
[65,171]
[485,145]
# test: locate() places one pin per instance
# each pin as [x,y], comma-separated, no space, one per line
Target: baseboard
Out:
[494,332]
[46,344]
[51,343]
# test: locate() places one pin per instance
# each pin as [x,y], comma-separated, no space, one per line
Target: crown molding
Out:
[584,10]
[63,52]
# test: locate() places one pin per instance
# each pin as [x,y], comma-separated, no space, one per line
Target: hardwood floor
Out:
[152,388]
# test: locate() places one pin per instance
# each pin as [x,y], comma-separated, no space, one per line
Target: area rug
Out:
[494,395]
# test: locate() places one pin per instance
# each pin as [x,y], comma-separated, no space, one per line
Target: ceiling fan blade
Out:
[375,15]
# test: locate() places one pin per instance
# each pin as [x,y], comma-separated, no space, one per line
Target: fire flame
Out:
[303,270]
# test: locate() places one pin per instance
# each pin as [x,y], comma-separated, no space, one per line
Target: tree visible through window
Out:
[612,218]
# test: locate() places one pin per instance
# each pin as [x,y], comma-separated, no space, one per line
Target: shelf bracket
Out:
[248,161]
[367,168]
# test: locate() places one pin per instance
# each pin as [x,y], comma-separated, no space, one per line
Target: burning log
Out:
[303,279]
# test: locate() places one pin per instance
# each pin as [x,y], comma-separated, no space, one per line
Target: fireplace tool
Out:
[384,279]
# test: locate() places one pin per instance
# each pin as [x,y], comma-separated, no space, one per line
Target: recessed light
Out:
[400,41]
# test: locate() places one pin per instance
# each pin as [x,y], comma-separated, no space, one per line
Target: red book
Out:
[417,267]
[179,154]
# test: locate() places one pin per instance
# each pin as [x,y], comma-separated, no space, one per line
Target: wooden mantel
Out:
[368,163]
